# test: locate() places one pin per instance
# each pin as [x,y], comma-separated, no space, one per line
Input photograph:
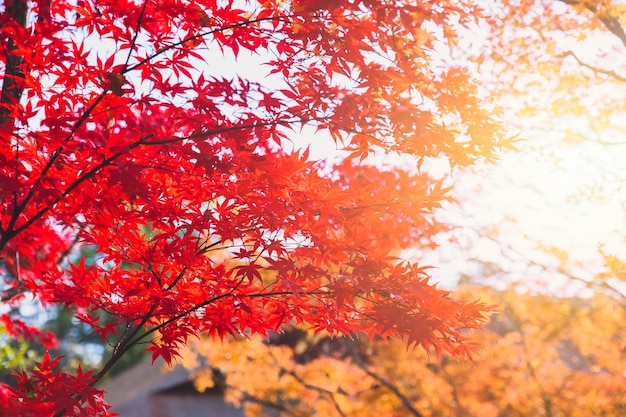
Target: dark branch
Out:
[13,75]
[196,37]
[321,390]
[8,294]
[406,402]
[137,29]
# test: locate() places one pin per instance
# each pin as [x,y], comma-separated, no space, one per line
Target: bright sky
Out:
[530,201]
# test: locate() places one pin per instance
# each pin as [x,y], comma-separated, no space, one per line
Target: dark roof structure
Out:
[147,390]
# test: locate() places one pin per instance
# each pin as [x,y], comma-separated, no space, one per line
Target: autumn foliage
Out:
[124,129]
[541,355]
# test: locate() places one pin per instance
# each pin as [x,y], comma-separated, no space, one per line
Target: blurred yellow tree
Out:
[542,356]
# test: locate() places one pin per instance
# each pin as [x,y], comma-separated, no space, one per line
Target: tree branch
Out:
[13,75]
[199,36]
[596,70]
[137,28]
[6,295]
[391,387]
[321,390]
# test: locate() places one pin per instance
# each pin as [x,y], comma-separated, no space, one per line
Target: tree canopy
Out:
[125,130]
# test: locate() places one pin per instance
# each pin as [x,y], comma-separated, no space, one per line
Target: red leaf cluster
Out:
[119,131]
[45,390]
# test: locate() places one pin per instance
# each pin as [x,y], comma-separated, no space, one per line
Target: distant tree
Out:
[542,355]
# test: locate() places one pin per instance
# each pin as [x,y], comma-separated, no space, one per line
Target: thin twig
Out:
[391,387]
[137,29]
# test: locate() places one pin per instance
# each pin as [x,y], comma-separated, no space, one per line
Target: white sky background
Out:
[525,202]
